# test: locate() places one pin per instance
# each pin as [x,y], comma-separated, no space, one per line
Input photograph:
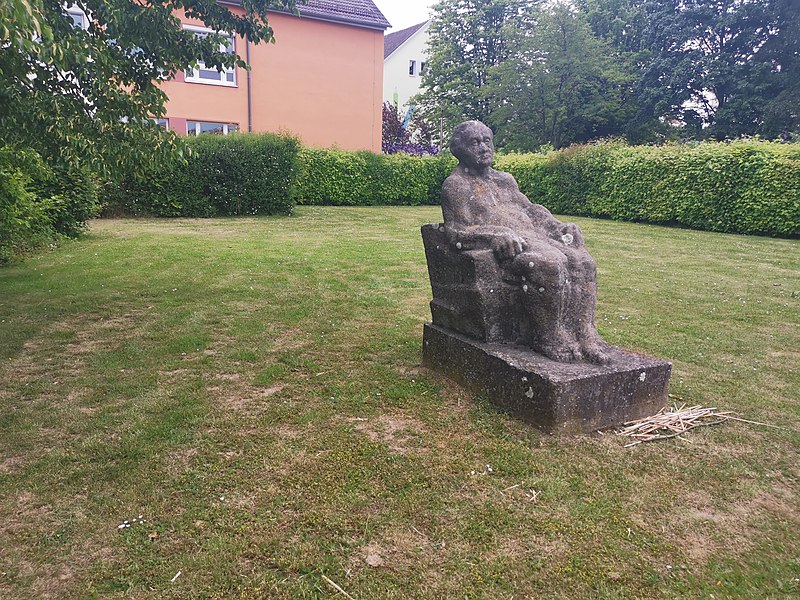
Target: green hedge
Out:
[341,178]
[238,174]
[39,204]
[746,186]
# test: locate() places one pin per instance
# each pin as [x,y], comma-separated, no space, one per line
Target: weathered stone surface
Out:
[470,295]
[514,296]
[544,259]
[554,396]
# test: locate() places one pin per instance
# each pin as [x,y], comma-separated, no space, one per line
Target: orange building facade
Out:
[322,80]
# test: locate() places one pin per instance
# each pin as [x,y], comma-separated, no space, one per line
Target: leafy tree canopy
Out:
[563,85]
[722,64]
[563,71]
[466,43]
[88,94]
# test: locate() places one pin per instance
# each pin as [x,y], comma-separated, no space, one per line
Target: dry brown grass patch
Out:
[704,529]
[49,355]
[401,551]
[234,392]
[12,464]
[178,461]
[394,431]
[175,227]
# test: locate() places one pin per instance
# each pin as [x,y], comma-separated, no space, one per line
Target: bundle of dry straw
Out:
[674,422]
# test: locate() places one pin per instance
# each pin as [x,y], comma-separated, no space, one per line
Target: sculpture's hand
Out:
[571,235]
[508,245]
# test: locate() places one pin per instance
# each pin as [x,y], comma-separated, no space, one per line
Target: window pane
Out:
[197,127]
[77,20]
[203,73]
[209,74]
[212,128]
[412,66]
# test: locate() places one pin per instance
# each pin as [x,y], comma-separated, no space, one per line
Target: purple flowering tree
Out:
[397,139]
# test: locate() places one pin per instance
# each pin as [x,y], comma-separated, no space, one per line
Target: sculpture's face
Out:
[476,147]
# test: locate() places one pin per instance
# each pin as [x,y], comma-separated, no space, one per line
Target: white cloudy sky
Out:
[404,13]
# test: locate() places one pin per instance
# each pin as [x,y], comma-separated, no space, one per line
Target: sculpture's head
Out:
[473,145]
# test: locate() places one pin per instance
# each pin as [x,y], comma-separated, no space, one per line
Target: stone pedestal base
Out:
[553,396]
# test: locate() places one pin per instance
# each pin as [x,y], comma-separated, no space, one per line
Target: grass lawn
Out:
[252,389]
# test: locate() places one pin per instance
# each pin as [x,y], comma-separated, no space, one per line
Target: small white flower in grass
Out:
[127,524]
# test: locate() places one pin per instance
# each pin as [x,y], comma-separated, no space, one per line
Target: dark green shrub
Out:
[243,174]
[238,174]
[23,222]
[71,197]
[39,203]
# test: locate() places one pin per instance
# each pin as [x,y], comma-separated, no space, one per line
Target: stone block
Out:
[556,397]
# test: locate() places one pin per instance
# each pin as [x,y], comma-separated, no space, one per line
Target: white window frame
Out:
[74,11]
[193,75]
[412,68]
[225,127]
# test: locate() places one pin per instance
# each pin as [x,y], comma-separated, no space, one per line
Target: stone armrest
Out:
[467,265]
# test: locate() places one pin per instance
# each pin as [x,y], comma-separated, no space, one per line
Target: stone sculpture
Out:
[514,296]
[483,208]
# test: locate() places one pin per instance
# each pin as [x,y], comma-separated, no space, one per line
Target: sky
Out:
[404,13]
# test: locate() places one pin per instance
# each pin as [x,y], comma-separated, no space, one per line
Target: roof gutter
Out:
[344,21]
[310,15]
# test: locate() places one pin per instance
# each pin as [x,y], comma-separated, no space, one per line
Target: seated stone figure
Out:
[484,209]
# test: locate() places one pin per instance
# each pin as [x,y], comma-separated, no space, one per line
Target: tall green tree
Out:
[466,43]
[622,25]
[86,94]
[562,84]
[619,22]
[716,64]
[781,111]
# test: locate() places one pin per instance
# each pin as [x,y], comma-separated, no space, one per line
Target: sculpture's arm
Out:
[567,233]
[465,231]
